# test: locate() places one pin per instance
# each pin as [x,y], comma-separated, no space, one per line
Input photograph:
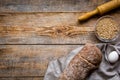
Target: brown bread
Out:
[79,67]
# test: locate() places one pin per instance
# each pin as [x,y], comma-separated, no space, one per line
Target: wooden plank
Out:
[29,60]
[24,34]
[51,35]
[41,78]
[48,5]
[47,28]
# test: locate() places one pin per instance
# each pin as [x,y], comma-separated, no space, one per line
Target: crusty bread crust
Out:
[79,67]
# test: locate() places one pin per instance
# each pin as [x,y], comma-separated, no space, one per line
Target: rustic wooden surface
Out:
[29,60]
[40,78]
[29,40]
[45,28]
[49,5]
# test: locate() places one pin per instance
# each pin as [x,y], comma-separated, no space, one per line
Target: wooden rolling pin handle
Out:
[88,15]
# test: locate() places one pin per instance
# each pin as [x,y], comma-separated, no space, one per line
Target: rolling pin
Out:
[101,9]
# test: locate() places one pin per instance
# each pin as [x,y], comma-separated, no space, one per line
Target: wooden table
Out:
[34,32]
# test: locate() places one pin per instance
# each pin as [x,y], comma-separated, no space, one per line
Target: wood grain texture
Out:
[49,5]
[41,78]
[51,35]
[29,60]
[45,28]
